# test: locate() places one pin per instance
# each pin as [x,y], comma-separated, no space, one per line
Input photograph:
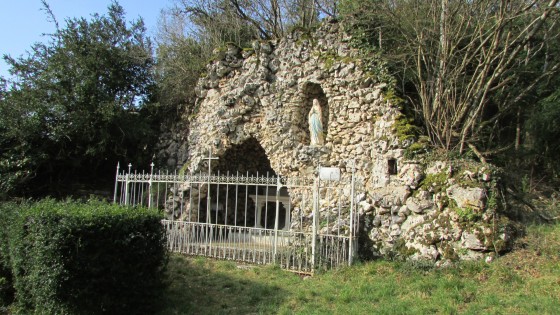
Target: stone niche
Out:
[255,102]
[311,91]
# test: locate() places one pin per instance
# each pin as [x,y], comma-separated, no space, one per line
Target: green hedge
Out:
[92,258]
[6,284]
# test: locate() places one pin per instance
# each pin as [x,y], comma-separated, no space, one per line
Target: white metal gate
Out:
[300,224]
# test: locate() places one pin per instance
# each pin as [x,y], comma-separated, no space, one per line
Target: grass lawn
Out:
[526,281]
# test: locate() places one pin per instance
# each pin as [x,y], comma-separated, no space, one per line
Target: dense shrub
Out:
[6,285]
[93,258]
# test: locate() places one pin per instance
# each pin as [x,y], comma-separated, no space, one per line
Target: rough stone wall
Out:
[265,93]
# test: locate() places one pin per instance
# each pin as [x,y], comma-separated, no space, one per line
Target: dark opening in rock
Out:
[247,158]
[392,167]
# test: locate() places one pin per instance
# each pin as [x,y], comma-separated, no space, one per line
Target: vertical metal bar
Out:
[340,250]
[215,225]
[246,198]
[208,199]
[126,192]
[237,236]
[350,245]
[278,187]
[121,194]
[157,189]
[257,210]
[190,199]
[244,229]
[181,203]
[236,197]
[208,214]
[227,198]
[339,209]
[266,204]
[288,221]
[137,185]
[139,192]
[315,220]
[116,183]
[131,189]
[305,197]
[199,204]
[217,197]
[328,198]
[134,188]
[165,193]
[174,191]
[254,231]
[150,185]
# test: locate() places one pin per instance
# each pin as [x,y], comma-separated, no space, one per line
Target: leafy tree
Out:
[466,66]
[543,131]
[77,104]
[185,45]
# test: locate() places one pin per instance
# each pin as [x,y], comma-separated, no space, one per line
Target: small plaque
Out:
[329,173]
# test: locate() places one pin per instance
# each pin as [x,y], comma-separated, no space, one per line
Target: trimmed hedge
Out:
[6,283]
[92,258]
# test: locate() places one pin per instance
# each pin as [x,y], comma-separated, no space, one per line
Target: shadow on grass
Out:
[524,281]
[205,286]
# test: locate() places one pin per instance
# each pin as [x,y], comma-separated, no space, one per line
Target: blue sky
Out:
[22,22]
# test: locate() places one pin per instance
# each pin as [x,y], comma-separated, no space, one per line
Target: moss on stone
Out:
[391,96]
[421,146]
[348,59]
[328,61]
[331,57]
[405,129]
[248,51]
[305,33]
[184,168]
[401,250]
[448,252]
[434,182]
[467,214]
[218,54]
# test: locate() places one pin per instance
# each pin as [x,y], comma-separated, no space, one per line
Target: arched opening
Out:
[251,204]
[311,91]
[247,158]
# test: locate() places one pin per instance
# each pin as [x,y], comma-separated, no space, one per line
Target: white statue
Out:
[316,124]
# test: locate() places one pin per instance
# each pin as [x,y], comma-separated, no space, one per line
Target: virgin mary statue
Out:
[316,124]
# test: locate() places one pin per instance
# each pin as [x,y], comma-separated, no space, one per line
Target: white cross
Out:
[210,158]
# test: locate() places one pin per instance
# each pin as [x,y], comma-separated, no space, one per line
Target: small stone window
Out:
[392,166]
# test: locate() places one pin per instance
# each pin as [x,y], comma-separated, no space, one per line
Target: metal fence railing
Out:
[300,224]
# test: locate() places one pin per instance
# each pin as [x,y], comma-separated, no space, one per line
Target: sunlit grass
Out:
[526,281]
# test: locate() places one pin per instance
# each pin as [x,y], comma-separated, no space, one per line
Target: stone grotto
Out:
[253,111]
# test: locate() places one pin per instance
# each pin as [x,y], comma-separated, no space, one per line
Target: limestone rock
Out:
[417,205]
[472,241]
[263,96]
[411,174]
[467,197]
[388,196]
[437,167]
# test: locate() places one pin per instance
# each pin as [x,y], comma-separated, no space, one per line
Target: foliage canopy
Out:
[465,66]
[76,104]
